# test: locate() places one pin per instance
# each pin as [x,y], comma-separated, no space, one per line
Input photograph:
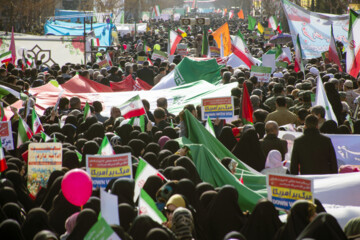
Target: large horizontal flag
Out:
[188,71]
[132,107]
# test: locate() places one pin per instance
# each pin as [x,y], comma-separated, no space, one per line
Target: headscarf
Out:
[234,235]
[227,138]
[85,220]
[127,214]
[90,147]
[69,130]
[190,167]
[152,147]
[95,130]
[263,222]
[137,146]
[152,185]
[273,159]
[157,234]
[94,204]
[248,150]
[162,141]
[329,127]
[71,222]
[124,133]
[151,158]
[7,195]
[178,173]
[182,223]
[51,193]
[14,211]
[10,229]
[60,211]
[124,189]
[20,189]
[36,221]
[170,132]
[323,227]
[141,226]
[144,137]
[70,160]
[298,218]
[171,145]
[166,191]
[224,214]
[260,129]
[199,190]
[357,127]
[352,228]
[163,154]
[177,200]
[45,235]
[186,188]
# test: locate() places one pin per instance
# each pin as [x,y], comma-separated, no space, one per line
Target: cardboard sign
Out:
[109,207]
[43,159]
[101,231]
[6,136]
[159,54]
[104,168]
[280,64]
[141,59]
[268,60]
[220,107]
[284,190]
[182,49]
[268,33]
[104,64]
[263,74]
[215,51]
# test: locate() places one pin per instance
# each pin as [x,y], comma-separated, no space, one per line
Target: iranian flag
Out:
[322,100]
[45,137]
[106,148]
[87,111]
[280,54]
[132,107]
[143,172]
[5,57]
[156,11]
[352,51]
[95,42]
[333,52]
[209,126]
[108,58]
[79,155]
[37,127]
[246,107]
[2,112]
[273,23]
[3,165]
[138,121]
[174,39]
[299,66]
[279,28]
[148,207]
[24,133]
[239,48]
[231,14]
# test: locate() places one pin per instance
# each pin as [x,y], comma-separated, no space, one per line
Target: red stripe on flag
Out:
[3,165]
[134,113]
[241,55]
[173,47]
[355,68]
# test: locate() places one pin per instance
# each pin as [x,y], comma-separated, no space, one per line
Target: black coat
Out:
[313,153]
[272,142]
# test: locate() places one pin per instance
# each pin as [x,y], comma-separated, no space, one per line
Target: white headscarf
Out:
[273,159]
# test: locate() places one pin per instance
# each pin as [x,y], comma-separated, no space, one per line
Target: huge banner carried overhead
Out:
[314,29]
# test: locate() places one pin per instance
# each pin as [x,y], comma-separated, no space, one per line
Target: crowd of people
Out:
[194,209]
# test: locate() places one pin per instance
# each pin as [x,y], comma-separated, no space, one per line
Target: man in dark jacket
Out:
[313,153]
[146,74]
[271,140]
